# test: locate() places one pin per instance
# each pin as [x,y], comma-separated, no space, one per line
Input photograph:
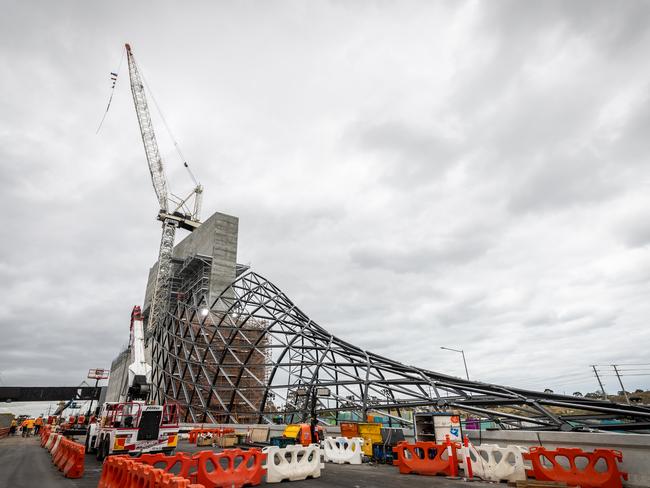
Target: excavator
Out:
[132,425]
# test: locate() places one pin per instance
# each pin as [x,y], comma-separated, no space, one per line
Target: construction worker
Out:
[14,426]
[38,423]
[28,426]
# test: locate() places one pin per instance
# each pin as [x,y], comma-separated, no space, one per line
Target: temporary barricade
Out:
[55,446]
[58,447]
[69,458]
[45,434]
[115,472]
[292,463]
[427,458]
[194,433]
[493,463]
[50,441]
[341,450]
[232,468]
[180,463]
[586,477]
[122,472]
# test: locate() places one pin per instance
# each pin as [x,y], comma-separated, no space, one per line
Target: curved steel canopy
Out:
[254,355]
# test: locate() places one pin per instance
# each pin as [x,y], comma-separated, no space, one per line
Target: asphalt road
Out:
[25,464]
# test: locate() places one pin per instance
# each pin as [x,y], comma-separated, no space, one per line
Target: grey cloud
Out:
[443,179]
[410,155]
[424,259]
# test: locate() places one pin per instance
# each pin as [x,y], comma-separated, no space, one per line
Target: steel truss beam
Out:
[255,355]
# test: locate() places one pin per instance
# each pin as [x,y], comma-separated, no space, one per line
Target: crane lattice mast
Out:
[180,216]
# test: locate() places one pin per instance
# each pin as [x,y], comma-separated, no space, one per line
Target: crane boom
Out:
[156,167]
[180,214]
[139,372]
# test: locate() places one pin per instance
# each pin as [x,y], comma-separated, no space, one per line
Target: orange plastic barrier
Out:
[244,468]
[69,458]
[45,434]
[180,463]
[427,458]
[123,472]
[587,477]
[194,433]
[114,471]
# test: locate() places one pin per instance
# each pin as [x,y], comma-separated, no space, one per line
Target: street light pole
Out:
[463,354]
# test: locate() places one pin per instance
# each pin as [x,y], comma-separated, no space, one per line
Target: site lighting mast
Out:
[463,353]
[174,211]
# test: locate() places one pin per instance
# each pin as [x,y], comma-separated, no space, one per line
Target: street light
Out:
[463,353]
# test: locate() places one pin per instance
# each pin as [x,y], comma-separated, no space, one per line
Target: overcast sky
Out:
[411,174]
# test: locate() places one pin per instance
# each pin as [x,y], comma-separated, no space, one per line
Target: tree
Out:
[577,394]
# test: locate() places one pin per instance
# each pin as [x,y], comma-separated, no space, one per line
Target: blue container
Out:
[382,453]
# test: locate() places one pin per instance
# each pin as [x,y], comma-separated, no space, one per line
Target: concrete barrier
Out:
[635,447]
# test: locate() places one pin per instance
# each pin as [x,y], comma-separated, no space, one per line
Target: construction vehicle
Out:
[132,426]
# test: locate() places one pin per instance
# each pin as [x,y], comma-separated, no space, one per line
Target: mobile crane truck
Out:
[132,425]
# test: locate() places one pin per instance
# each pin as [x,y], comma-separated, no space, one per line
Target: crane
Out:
[139,371]
[174,212]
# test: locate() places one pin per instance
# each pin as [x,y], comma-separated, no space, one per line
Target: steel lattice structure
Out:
[254,355]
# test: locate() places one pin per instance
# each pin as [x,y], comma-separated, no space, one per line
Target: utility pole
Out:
[627,399]
[599,382]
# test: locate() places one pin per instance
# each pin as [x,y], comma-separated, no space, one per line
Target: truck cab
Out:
[133,428]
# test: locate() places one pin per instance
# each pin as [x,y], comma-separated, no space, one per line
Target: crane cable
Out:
[169,131]
[114,75]
[108,106]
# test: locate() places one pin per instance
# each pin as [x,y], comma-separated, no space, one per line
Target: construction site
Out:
[225,381]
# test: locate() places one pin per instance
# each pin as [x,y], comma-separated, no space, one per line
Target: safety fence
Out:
[232,468]
[292,463]
[67,455]
[490,462]
[194,433]
[341,450]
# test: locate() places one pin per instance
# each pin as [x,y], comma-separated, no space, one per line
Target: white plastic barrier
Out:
[292,463]
[341,450]
[50,441]
[493,463]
